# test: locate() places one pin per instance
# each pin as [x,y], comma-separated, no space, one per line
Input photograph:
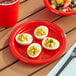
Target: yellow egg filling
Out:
[22,37]
[40,32]
[49,43]
[33,50]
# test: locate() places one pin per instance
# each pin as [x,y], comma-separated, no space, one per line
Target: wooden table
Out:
[33,10]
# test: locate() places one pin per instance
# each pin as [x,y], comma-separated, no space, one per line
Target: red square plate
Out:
[45,56]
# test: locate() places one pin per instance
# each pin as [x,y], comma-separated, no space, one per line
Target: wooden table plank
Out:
[26,10]
[6,58]
[71,39]
[21,69]
[4,35]
[45,70]
[68,22]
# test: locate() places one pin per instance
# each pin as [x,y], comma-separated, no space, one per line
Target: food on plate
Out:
[50,43]
[24,39]
[64,5]
[34,50]
[41,32]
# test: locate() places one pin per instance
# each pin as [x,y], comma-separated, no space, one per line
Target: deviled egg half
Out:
[24,39]
[50,43]
[34,50]
[41,32]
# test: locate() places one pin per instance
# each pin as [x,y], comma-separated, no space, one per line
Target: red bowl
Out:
[48,5]
[46,56]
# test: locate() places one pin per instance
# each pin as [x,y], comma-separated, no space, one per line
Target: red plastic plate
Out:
[46,56]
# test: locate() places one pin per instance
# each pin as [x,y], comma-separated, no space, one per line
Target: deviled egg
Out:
[34,50]
[24,38]
[41,32]
[50,43]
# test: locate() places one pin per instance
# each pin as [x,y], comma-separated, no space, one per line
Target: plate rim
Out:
[26,60]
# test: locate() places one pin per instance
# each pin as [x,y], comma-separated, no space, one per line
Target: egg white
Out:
[30,39]
[50,48]
[41,37]
[34,44]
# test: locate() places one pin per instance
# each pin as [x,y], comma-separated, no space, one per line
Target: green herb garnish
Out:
[51,41]
[41,29]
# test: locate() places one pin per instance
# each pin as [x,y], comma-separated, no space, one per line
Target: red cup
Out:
[9,14]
